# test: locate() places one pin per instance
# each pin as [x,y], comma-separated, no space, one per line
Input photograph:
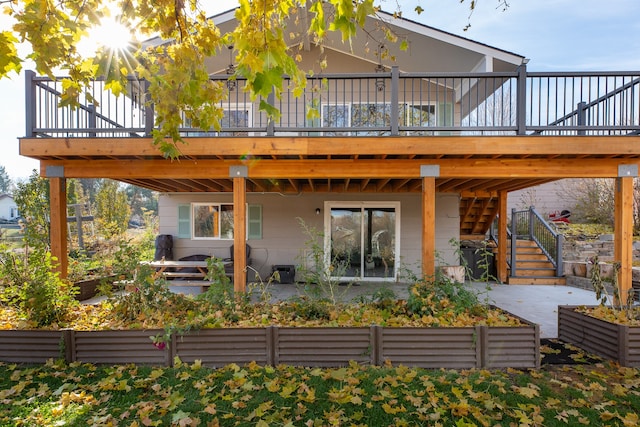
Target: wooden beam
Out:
[501,255]
[623,235]
[58,223]
[47,148]
[239,235]
[479,194]
[428,227]
[336,169]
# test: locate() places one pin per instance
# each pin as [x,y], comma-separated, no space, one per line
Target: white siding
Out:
[8,208]
[283,239]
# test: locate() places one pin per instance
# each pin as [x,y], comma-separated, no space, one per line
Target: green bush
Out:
[34,288]
[441,294]
[148,295]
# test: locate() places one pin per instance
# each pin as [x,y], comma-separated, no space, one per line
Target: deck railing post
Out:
[395,88]
[30,103]
[92,122]
[559,262]
[521,106]
[514,239]
[531,220]
[582,117]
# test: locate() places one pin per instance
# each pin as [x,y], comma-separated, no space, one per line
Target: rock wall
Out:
[582,250]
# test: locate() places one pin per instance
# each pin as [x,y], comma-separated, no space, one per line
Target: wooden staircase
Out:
[532,266]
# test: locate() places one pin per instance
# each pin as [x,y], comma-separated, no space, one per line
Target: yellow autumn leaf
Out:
[530,391]
[630,420]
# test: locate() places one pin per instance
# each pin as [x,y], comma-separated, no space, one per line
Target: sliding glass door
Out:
[362,240]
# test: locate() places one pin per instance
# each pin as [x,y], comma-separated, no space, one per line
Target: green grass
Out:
[56,394]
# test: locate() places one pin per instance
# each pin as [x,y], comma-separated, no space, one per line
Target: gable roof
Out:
[429,49]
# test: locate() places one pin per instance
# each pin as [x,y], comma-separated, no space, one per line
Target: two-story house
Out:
[389,156]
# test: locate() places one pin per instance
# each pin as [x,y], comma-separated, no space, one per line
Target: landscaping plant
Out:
[616,308]
[32,287]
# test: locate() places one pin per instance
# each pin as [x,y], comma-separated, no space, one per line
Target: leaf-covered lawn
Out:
[192,395]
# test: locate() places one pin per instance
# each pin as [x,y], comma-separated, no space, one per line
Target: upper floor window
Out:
[235,116]
[363,115]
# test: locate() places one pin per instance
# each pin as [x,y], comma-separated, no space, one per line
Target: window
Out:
[212,221]
[336,116]
[202,221]
[421,115]
[363,115]
[371,115]
[238,116]
[233,116]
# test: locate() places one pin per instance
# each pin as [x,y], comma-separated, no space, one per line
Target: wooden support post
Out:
[503,252]
[623,232]
[428,226]
[58,223]
[239,234]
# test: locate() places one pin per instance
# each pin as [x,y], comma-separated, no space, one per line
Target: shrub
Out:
[148,297]
[33,287]
[439,295]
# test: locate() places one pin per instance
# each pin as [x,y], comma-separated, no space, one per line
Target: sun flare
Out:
[111,35]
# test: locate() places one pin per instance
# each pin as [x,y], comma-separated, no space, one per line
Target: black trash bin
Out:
[287,273]
[164,247]
[473,258]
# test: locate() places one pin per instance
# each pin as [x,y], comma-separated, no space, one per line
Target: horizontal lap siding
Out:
[430,347]
[588,333]
[118,347]
[512,347]
[30,346]
[321,347]
[220,347]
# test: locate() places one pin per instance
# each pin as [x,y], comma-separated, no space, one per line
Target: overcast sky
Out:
[557,35]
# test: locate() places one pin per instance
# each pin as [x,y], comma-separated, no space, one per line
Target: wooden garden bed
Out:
[458,348]
[617,342]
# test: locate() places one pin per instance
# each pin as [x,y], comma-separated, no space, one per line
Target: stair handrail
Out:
[530,225]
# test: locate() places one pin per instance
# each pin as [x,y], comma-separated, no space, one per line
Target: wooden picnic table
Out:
[183,273]
[176,269]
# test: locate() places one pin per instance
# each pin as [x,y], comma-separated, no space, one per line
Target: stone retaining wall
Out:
[581,250]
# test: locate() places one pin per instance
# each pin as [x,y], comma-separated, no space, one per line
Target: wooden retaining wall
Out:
[451,348]
[620,343]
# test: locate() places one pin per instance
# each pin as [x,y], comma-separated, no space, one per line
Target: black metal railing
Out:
[530,225]
[382,104]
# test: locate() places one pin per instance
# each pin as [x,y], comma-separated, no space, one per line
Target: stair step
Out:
[533,264]
[524,280]
[536,272]
[531,257]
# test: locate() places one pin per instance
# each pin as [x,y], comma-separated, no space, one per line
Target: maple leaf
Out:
[181,418]
[530,391]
